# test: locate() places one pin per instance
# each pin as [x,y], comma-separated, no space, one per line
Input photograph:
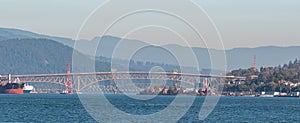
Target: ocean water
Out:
[68,108]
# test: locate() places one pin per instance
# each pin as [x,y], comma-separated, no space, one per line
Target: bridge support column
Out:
[68,83]
[78,84]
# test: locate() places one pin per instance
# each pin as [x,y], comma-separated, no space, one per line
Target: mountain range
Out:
[48,54]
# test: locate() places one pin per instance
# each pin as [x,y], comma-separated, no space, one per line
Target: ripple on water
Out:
[68,108]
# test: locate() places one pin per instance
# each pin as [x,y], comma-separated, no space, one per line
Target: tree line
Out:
[281,78]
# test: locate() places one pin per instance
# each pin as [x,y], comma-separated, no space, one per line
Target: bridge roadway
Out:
[80,81]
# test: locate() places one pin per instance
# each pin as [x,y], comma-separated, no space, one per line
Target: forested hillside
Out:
[40,56]
[31,56]
[280,78]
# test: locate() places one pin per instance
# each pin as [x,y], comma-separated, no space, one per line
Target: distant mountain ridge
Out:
[44,56]
[10,33]
[236,58]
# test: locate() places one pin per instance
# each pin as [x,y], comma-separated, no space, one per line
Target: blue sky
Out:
[242,23]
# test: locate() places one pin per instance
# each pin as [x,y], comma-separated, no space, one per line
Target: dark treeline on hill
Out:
[42,56]
[284,78]
[33,56]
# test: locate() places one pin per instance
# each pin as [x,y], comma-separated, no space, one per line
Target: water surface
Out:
[68,108]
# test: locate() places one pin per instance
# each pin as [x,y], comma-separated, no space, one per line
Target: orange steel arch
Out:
[92,83]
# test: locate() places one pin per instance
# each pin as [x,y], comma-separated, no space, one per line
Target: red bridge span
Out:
[78,82]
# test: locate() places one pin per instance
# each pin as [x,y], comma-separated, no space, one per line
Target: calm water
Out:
[68,108]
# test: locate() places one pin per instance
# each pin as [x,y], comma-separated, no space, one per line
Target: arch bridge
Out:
[77,82]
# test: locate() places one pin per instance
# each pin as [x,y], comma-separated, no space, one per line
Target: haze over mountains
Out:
[41,52]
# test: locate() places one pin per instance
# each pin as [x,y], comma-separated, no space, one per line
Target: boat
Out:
[170,91]
[264,94]
[15,87]
[249,95]
[286,96]
[12,88]
[64,92]
[27,89]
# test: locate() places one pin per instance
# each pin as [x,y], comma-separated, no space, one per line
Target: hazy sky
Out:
[242,23]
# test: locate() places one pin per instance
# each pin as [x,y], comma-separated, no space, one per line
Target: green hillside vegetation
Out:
[33,56]
[43,56]
[281,78]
